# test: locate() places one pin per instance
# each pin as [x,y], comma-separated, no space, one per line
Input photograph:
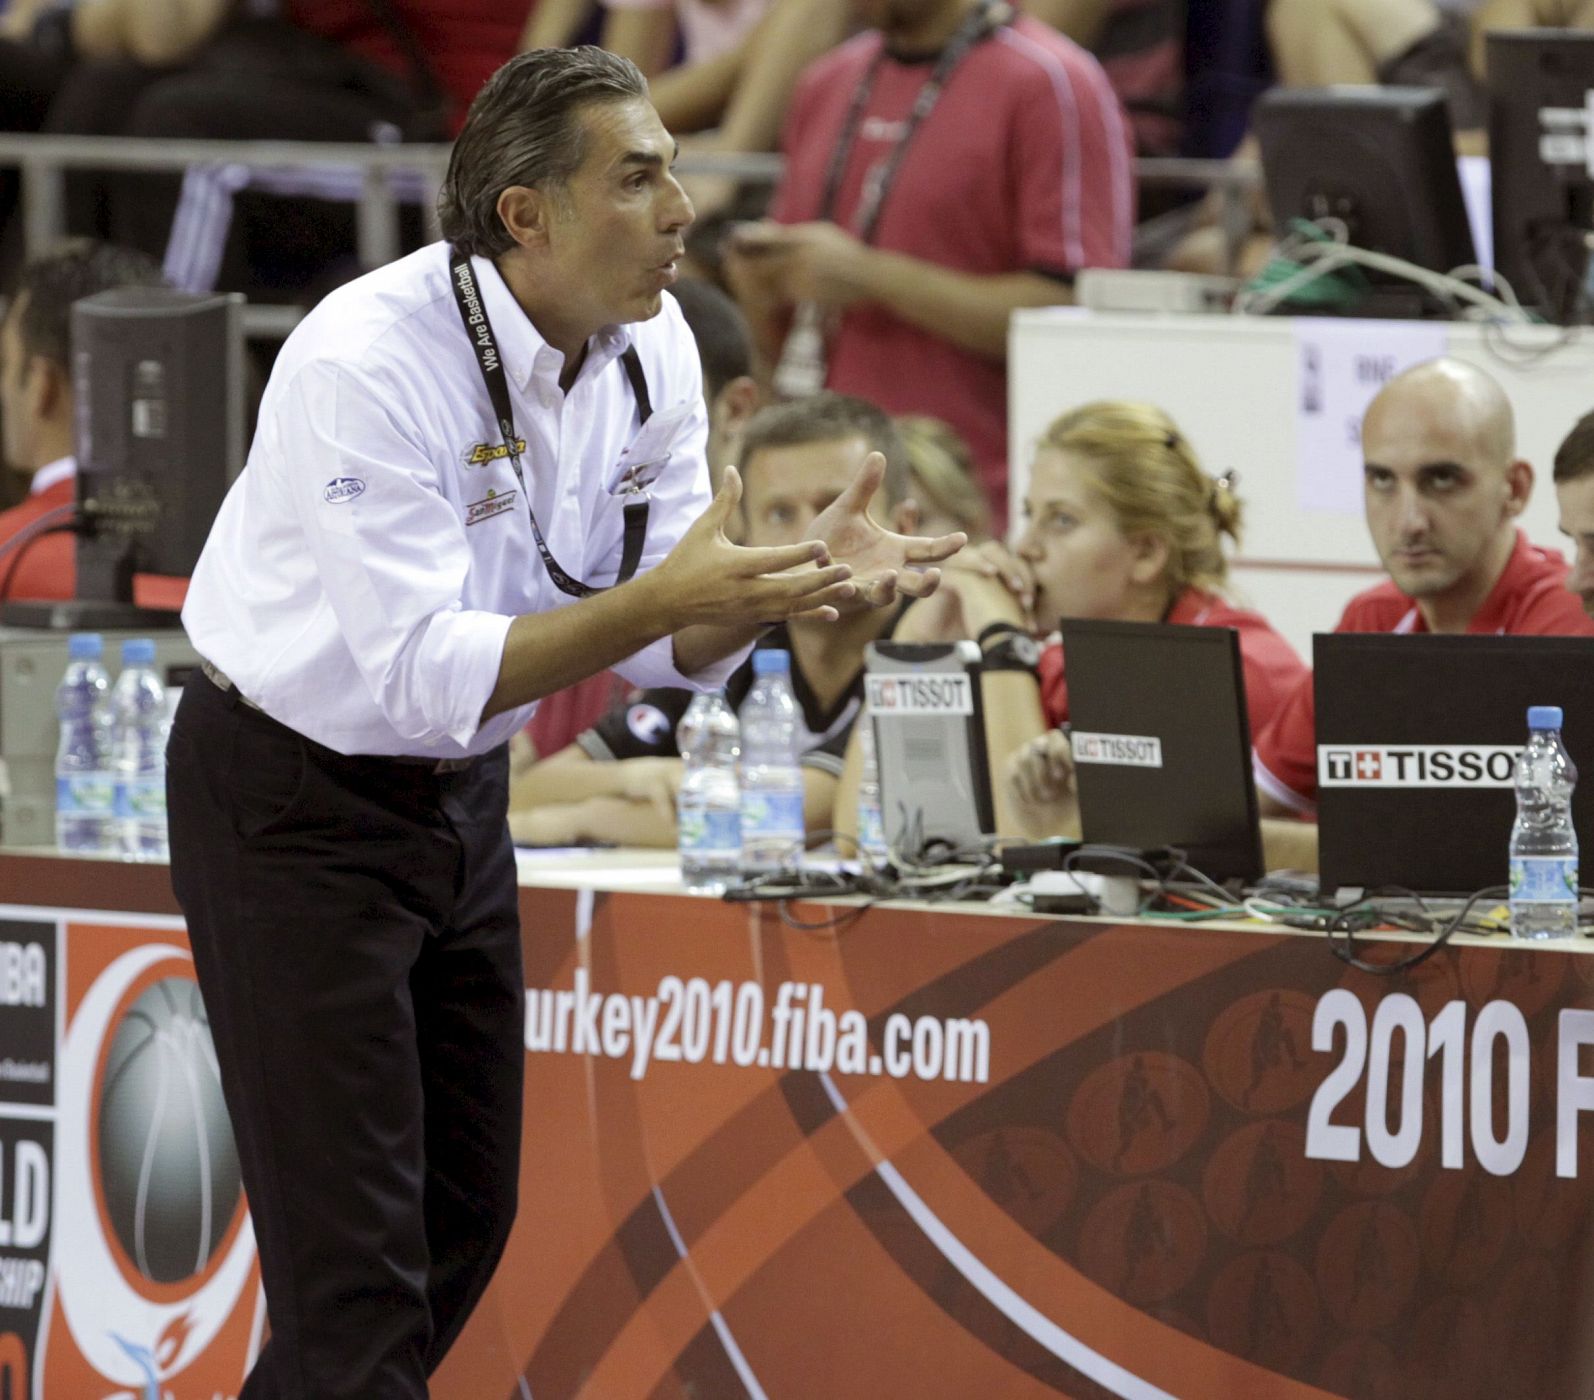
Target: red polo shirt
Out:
[1530,599]
[46,567]
[1022,165]
[1272,669]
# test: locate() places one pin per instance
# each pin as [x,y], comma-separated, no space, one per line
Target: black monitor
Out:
[1541,94]
[1379,159]
[1162,742]
[1416,738]
[158,385]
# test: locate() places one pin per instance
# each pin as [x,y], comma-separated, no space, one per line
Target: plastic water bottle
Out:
[83,794]
[872,849]
[708,806]
[772,783]
[138,753]
[1543,840]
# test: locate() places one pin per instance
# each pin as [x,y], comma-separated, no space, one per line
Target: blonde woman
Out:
[1120,523]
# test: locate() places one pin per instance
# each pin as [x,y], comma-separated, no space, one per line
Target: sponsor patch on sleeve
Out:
[342,489]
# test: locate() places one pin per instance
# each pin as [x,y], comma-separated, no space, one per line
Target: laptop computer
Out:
[929,728]
[1416,740]
[1162,742]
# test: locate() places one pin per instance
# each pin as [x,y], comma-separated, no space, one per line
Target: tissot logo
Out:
[1416,765]
[921,695]
[1121,750]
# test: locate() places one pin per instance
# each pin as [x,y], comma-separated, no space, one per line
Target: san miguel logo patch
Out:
[490,505]
[483,453]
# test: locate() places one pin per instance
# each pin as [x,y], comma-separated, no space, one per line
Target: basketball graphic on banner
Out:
[1367,1265]
[1263,1307]
[157,1290]
[1258,1053]
[1029,1172]
[1260,1186]
[1139,1113]
[1144,1241]
[168,1165]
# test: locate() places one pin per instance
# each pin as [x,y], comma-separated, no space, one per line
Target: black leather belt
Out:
[219,678]
[222,681]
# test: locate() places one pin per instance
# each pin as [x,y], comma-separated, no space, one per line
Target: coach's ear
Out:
[528,215]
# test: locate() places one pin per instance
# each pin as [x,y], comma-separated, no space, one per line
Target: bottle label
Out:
[84,795]
[710,833]
[141,799]
[773,820]
[871,831]
[1544,879]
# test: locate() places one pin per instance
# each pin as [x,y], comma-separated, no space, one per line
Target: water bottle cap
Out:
[1544,716]
[138,651]
[84,646]
[770,661]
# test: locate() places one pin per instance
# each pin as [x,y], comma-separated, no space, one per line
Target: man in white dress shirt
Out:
[460,460]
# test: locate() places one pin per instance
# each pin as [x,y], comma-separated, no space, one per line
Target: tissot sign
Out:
[1416,765]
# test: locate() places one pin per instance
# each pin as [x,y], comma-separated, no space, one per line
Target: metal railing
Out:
[381,178]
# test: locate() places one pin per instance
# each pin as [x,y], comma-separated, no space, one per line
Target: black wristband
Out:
[992,630]
[1012,651]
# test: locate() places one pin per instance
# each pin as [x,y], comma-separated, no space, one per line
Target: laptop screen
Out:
[1162,745]
[1416,738]
[929,728]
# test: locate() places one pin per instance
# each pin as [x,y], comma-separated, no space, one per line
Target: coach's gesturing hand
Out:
[884,564]
[708,580]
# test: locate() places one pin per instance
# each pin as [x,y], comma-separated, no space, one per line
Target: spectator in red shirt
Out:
[38,554]
[1444,488]
[1121,523]
[953,163]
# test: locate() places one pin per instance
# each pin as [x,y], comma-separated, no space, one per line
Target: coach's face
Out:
[614,230]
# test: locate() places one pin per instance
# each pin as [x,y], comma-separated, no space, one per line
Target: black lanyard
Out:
[473,312]
[983,21]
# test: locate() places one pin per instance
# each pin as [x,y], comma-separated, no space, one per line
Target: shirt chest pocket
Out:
[650,452]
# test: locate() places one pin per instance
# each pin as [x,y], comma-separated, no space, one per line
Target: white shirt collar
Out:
[521,344]
[51,474]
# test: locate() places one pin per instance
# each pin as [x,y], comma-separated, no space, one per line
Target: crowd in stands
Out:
[945,162]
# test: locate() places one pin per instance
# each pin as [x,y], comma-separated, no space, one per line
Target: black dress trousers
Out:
[356,937]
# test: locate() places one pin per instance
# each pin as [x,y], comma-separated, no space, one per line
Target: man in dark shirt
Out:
[617,783]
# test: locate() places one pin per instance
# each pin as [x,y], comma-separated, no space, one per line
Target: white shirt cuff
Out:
[655,666]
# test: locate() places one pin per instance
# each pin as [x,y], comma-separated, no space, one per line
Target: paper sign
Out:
[1340,367]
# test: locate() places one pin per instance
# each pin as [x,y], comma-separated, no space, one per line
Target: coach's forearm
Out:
[699,647]
[549,651]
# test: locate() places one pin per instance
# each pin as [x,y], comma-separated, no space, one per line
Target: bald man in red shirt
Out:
[1444,488]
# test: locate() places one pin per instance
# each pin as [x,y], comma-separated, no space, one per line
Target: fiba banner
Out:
[835,1152]
[941,1154]
[127,1265]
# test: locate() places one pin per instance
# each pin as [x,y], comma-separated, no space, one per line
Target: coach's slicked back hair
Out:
[524,129]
